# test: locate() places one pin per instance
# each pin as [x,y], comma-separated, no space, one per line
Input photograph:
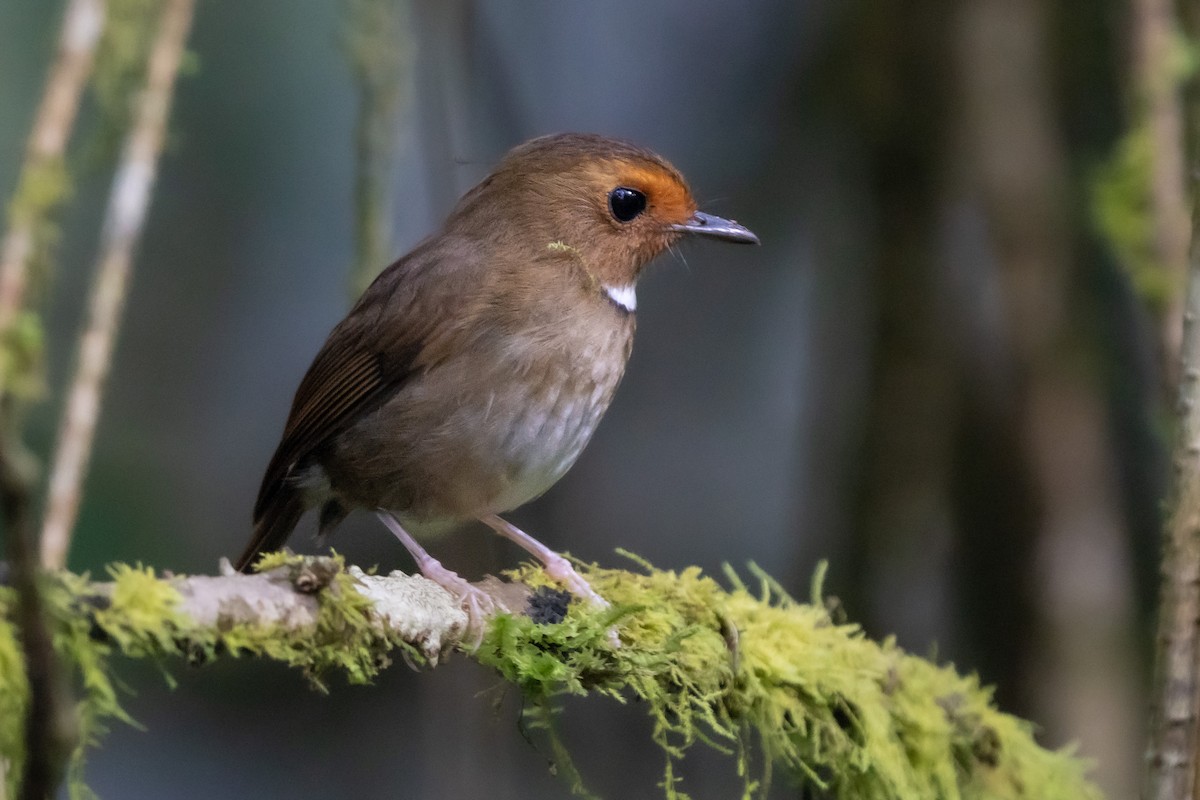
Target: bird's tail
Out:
[273,521]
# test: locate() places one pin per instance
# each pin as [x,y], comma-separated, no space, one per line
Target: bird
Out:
[471,373]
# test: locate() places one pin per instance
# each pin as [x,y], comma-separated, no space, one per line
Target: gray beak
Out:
[716,227]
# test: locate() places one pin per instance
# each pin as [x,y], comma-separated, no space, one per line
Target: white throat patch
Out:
[623,296]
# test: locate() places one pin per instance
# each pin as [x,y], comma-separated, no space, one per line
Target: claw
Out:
[479,605]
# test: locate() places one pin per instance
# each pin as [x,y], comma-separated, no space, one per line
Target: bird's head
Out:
[606,203]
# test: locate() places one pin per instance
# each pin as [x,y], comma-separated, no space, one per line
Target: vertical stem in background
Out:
[50,729]
[1156,82]
[1171,755]
[1017,151]
[379,47]
[1171,764]
[127,204]
[42,184]
[83,23]
[903,527]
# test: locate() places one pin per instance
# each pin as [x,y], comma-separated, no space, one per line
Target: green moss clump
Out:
[837,712]
[1123,210]
[120,68]
[1122,187]
[43,187]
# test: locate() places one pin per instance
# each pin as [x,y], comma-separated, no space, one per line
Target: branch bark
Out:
[1171,764]
[1171,756]
[1157,80]
[50,729]
[127,205]
[413,608]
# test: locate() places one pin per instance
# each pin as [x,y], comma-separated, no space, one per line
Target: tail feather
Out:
[273,523]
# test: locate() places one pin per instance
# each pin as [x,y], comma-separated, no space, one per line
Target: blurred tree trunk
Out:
[989,473]
[899,94]
[945,500]
[1017,161]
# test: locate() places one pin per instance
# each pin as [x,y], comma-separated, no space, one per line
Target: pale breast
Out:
[549,428]
[484,434]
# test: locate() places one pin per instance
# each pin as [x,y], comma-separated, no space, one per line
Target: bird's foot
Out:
[555,565]
[478,604]
[560,569]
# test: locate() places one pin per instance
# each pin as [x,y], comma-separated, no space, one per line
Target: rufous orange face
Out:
[667,198]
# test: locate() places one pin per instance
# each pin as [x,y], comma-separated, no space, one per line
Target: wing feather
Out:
[369,357]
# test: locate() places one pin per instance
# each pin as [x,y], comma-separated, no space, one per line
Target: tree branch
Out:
[740,669]
[417,611]
[1171,754]
[126,214]
[49,730]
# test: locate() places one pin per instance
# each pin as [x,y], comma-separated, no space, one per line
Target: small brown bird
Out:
[470,375]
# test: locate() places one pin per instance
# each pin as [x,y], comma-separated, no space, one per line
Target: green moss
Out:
[87,658]
[43,187]
[837,712]
[1123,210]
[120,68]
[1122,200]
[144,621]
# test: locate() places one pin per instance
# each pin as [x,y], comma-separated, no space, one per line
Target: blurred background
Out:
[942,371]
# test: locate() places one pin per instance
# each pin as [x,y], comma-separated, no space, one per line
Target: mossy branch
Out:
[724,666]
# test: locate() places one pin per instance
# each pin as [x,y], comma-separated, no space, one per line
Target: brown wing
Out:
[346,379]
[338,384]
[367,359]
[387,338]
[360,366]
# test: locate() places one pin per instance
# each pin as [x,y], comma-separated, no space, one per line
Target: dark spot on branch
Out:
[547,606]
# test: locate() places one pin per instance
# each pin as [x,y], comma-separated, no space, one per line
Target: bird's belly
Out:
[442,452]
[543,441]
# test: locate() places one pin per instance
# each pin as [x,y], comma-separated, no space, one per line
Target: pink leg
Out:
[557,567]
[478,604]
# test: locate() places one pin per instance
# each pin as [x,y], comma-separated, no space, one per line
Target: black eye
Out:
[626,203]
